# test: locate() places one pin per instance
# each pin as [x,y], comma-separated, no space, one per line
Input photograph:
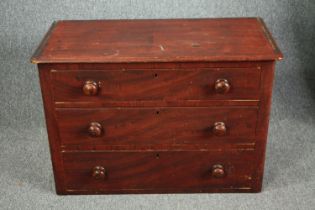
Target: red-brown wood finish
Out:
[157,106]
[118,41]
[147,126]
[52,129]
[159,84]
[159,171]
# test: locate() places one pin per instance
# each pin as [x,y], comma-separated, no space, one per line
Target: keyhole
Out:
[157,112]
[157,156]
[155,75]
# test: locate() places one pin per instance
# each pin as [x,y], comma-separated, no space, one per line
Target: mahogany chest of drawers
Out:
[157,106]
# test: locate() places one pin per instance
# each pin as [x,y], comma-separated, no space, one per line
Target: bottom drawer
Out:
[158,171]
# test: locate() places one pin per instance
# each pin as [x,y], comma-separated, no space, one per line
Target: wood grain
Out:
[158,170]
[52,128]
[263,121]
[157,106]
[157,126]
[177,40]
[159,84]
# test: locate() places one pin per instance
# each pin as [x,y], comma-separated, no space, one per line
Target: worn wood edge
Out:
[244,147]
[270,39]
[244,189]
[262,125]
[155,104]
[251,68]
[52,129]
[35,57]
[149,107]
[54,67]
[236,150]
[161,60]
[162,19]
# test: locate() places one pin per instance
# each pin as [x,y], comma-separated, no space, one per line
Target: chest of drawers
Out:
[157,106]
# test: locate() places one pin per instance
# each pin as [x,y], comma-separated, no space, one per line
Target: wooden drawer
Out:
[156,171]
[155,84]
[152,126]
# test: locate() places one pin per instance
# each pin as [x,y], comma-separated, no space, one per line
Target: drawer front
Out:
[153,126]
[152,85]
[123,171]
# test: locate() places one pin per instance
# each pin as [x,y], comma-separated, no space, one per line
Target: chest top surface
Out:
[173,40]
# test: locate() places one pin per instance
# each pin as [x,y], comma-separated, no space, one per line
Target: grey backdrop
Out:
[25,169]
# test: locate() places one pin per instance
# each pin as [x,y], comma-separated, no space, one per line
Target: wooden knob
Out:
[219,129]
[217,171]
[98,172]
[90,88]
[222,86]
[95,129]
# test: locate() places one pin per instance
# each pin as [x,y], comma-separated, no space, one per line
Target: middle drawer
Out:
[156,126]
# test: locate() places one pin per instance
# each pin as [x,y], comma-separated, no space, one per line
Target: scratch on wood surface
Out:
[195,44]
[116,53]
[112,53]
[162,48]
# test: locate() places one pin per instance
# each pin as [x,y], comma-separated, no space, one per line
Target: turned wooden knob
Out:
[222,86]
[90,88]
[95,129]
[98,172]
[219,129]
[217,171]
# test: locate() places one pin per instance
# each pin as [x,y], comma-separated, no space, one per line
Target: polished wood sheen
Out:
[95,129]
[157,84]
[222,86]
[157,106]
[228,39]
[90,88]
[219,129]
[151,126]
[159,171]
[218,171]
[98,172]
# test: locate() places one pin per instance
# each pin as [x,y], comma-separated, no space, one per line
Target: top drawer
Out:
[155,84]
